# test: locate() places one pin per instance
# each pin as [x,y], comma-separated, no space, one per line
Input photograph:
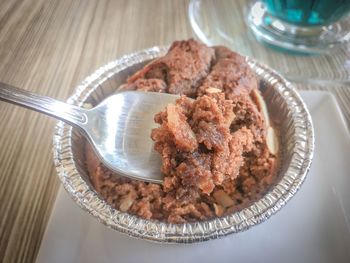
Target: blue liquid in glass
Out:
[308,12]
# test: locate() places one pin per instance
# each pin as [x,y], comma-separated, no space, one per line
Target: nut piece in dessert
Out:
[260,102]
[223,198]
[211,90]
[272,141]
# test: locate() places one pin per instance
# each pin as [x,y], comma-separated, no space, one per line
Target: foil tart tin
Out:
[286,110]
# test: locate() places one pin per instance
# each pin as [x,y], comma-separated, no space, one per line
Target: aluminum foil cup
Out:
[286,109]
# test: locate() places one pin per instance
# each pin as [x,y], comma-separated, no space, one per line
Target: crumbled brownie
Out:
[198,147]
[230,74]
[215,158]
[153,85]
[182,69]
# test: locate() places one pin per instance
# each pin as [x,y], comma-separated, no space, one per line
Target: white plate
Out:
[313,227]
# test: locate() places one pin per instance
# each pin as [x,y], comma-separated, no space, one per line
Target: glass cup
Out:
[304,26]
[228,23]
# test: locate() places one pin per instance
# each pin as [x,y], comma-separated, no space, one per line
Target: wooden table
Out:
[48,47]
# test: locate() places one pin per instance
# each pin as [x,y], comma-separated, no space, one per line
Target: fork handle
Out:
[70,114]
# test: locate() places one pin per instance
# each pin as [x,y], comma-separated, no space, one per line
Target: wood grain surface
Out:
[48,47]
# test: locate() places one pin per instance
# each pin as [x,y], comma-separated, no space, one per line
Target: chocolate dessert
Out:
[218,147]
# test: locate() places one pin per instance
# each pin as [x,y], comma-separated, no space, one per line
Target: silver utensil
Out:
[118,128]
